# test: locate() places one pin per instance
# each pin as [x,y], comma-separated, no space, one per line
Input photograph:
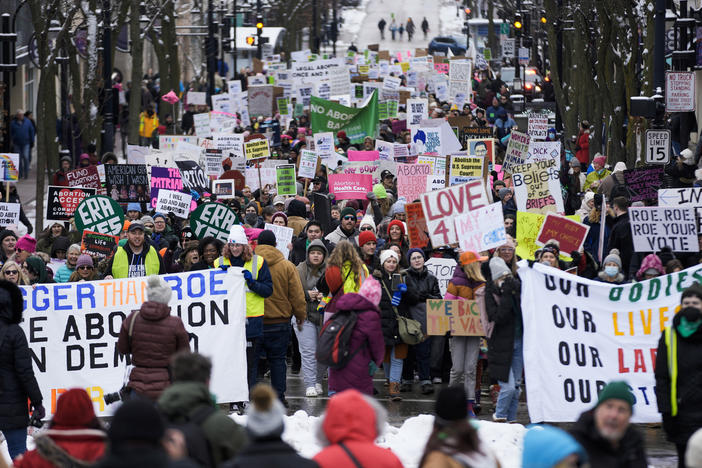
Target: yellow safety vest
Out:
[120,264]
[671,345]
[254,302]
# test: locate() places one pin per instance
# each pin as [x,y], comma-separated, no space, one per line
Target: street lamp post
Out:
[8,66]
[210,52]
[107,111]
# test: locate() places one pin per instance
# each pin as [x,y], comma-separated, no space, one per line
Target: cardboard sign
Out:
[545,151]
[127,182]
[196,98]
[679,91]
[308,164]
[412,180]
[655,227]
[570,234]
[257,149]
[350,186]
[86,177]
[9,167]
[644,182]
[528,228]
[363,155]
[212,219]
[442,269]
[170,201]
[194,177]
[99,213]
[285,179]
[62,202]
[537,187]
[441,206]
[465,168]
[98,245]
[416,225]
[517,150]
[474,133]
[537,126]
[481,229]
[417,110]
[283,237]
[460,318]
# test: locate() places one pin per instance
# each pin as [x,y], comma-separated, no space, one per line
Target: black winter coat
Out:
[421,285]
[689,392]
[17,381]
[503,308]
[630,453]
[620,238]
[388,320]
[269,453]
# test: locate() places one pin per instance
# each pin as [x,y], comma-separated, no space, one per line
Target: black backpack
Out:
[620,189]
[199,448]
[334,345]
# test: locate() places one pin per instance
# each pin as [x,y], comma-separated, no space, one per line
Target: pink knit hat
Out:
[27,243]
[601,160]
[370,289]
[650,262]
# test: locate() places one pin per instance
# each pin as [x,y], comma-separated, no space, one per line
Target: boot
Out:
[394,391]
[471,413]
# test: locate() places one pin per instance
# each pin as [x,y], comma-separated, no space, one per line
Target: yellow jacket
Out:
[147,125]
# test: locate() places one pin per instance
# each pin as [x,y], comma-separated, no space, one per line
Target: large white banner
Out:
[72,329]
[581,334]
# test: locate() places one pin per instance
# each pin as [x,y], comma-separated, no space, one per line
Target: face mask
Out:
[545,262]
[686,328]
[601,171]
[611,271]
[251,219]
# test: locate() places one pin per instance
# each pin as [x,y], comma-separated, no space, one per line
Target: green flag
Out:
[357,122]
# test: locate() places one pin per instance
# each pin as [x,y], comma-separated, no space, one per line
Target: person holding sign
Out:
[135,258]
[467,283]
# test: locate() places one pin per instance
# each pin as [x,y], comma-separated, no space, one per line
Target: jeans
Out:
[312,373]
[464,354]
[16,441]
[508,399]
[275,347]
[393,369]
[253,347]
[419,357]
[25,157]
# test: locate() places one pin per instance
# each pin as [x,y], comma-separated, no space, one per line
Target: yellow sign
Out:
[528,227]
[405,66]
[363,69]
[256,149]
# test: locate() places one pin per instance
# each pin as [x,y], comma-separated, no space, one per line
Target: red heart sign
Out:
[70,199]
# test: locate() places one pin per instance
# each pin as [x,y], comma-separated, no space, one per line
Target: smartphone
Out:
[396,281]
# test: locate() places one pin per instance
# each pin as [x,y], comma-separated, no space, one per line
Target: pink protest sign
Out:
[412,180]
[350,186]
[442,68]
[363,155]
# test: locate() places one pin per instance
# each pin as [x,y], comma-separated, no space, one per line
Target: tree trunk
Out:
[137,53]
[493,43]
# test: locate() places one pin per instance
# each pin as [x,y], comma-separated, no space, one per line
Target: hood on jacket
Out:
[154,311]
[38,266]
[60,243]
[545,446]
[318,243]
[297,208]
[181,397]
[351,416]
[270,254]
[11,302]
[354,301]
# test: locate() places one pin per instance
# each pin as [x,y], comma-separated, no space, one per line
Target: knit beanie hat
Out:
[280,214]
[398,207]
[74,408]
[266,415]
[415,249]
[379,191]
[348,211]
[498,268]
[503,193]
[368,219]
[266,237]
[27,243]
[157,290]
[134,206]
[613,257]
[85,260]
[451,404]
[365,237]
[7,233]
[136,420]
[618,390]
[397,222]
[601,160]
[552,246]
[370,289]
[509,242]
[237,235]
[386,254]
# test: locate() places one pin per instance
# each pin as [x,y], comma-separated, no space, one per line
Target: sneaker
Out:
[471,413]
[499,420]
[311,392]
[427,388]
[319,388]
[436,380]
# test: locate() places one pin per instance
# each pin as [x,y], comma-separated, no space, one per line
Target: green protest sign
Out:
[285,179]
[383,110]
[392,109]
[357,122]
[487,53]
[283,105]
[212,219]
[101,214]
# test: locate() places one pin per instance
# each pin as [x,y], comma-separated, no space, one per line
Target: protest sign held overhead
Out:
[350,186]
[460,318]
[99,213]
[517,150]
[98,245]
[465,168]
[257,149]
[308,164]
[416,225]
[285,179]
[412,180]
[690,196]
[655,227]
[212,219]
[170,201]
[9,167]
[86,177]
[643,182]
[9,214]
[164,178]
[127,182]
[537,187]
[356,122]
[61,202]
[194,177]
[481,229]
[569,234]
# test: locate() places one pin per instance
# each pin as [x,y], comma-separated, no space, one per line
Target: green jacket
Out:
[226,437]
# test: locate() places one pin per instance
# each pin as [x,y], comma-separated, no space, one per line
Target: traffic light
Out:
[250,40]
[259,24]
[527,24]
[468,11]
[543,17]
[518,25]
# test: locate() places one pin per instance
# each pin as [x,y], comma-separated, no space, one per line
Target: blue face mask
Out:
[601,171]
[611,270]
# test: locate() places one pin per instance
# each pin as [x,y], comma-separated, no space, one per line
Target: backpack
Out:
[334,345]
[620,189]
[199,448]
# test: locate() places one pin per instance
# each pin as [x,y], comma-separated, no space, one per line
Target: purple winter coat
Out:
[355,374]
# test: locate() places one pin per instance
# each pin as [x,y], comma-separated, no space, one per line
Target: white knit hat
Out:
[386,254]
[157,290]
[368,219]
[237,235]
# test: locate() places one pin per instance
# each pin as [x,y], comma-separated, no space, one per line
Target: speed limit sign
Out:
[657,146]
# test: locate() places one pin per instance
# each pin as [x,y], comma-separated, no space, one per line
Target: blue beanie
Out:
[415,249]
[545,446]
[134,207]
[160,215]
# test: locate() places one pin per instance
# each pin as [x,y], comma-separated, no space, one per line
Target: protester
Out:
[344,274]
[595,178]
[85,270]
[47,237]
[208,251]
[22,134]
[17,379]
[163,234]
[606,432]
[35,269]
[151,336]
[59,248]
[346,229]
[651,267]
[136,258]
[297,216]
[614,180]
[582,149]
[25,246]
[367,243]
[313,230]
[8,241]
[13,272]
[63,274]
[551,447]
[612,269]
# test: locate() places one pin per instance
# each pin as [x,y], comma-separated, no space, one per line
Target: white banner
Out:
[72,329]
[581,334]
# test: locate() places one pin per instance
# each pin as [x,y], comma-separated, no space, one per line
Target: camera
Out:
[119,395]
[35,421]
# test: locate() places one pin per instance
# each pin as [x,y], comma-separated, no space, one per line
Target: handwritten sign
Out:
[570,234]
[98,245]
[517,150]
[537,126]
[655,227]
[460,318]
[178,203]
[481,229]
[416,225]
[537,187]
[86,177]
[412,180]
[644,182]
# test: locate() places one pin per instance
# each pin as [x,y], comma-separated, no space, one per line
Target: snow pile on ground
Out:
[407,441]
[451,24]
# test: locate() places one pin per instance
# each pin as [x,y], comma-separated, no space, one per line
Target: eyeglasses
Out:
[85,267]
[349,218]
[12,272]
[366,228]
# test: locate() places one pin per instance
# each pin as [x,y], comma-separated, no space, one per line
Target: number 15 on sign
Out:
[657,146]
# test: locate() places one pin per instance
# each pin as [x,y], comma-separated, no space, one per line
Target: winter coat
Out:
[163,239]
[298,253]
[156,337]
[310,276]
[59,179]
[689,389]
[592,241]
[609,183]
[288,298]
[269,452]
[351,420]
[337,235]
[22,132]
[63,273]
[17,381]
[620,238]
[56,444]
[594,179]
[225,437]
[388,319]
[603,278]
[461,287]
[630,452]
[297,216]
[421,285]
[142,456]
[582,152]
[503,307]
[367,337]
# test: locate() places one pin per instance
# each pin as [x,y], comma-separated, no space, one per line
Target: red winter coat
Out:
[583,154]
[352,420]
[86,445]
[156,336]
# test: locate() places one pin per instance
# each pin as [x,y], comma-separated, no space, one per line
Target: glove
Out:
[30,228]
[38,411]
[372,368]
[371,196]
[247,276]
[397,295]
[402,287]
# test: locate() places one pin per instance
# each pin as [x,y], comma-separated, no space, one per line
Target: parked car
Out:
[444,43]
